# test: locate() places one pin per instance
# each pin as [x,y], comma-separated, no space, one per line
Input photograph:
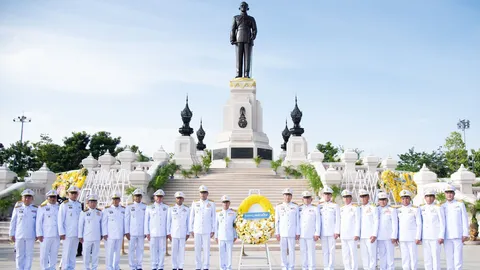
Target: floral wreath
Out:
[259,229]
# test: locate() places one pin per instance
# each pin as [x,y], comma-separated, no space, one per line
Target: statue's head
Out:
[243,6]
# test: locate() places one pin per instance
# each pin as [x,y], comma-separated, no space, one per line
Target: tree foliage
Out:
[101,142]
[20,158]
[412,161]
[329,151]
[456,153]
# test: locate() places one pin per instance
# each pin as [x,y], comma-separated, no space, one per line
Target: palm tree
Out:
[197,168]
[473,208]
[186,174]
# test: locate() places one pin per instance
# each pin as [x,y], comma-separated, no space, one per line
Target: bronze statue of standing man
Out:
[244,32]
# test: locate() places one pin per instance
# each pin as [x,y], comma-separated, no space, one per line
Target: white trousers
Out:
[328,247]
[157,250]
[431,254]
[349,254]
[135,252]
[24,253]
[90,254]
[112,253]
[49,252]
[288,261]
[178,253]
[386,257]
[225,249]
[369,254]
[307,250]
[409,255]
[202,242]
[454,253]
[69,253]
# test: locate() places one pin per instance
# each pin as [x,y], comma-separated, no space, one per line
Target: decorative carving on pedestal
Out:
[186,114]
[200,136]
[286,136]
[296,115]
[242,121]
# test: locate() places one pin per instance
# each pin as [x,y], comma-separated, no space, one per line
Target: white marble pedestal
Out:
[296,151]
[242,137]
[185,152]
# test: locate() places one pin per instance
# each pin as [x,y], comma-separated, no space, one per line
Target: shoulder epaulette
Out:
[66,201]
[130,203]
[108,206]
[218,210]
[18,204]
[300,204]
[122,206]
[294,203]
[34,206]
[320,203]
[233,209]
[86,209]
[211,200]
[43,204]
[314,204]
[98,209]
[414,206]
[395,206]
[279,203]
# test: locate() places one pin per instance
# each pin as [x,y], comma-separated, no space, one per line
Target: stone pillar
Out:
[140,179]
[349,157]
[424,177]
[41,182]
[126,158]
[160,155]
[463,178]
[6,176]
[106,161]
[389,164]
[332,177]
[297,151]
[371,162]
[89,163]
[185,152]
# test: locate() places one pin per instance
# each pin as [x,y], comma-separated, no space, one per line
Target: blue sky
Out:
[381,76]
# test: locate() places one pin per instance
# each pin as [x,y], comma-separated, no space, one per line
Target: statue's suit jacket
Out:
[244,29]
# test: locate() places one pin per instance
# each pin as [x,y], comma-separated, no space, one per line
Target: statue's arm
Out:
[233,33]
[254,29]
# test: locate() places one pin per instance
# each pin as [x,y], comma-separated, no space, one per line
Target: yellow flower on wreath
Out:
[66,179]
[395,182]
[255,231]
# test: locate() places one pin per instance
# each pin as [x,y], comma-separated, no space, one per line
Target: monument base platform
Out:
[185,152]
[296,151]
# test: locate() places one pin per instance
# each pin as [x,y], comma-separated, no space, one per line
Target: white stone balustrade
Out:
[389,164]
[463,178]
[106,161]
[126,158]
[40,182]
[6,176]
[140,179]
[424,177]
[349,157]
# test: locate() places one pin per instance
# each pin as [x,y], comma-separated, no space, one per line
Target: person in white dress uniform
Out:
[349,231]
[90,233]
[387,233]
[177,230]
[409,231]
[134,229]
[456,229]
[202,227]
[22,230]
[310,226]
[225,233]
[156,229]
[47,231]
[368,231]
[330,231]
[113,224]
[433,232]
[68,216]
[287,228]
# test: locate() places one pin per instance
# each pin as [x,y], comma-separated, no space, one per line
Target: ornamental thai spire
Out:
[186,115]
[286,136]
[296,115]
[200,136]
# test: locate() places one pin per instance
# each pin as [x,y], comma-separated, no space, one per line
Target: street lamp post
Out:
[463,125]
[22,119]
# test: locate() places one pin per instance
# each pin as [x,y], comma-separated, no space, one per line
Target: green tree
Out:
[20,158]
[141,157]
[330,152]
[75,149]
[101,142]
[455,153]
[413,161]
[47,152]
[475,161]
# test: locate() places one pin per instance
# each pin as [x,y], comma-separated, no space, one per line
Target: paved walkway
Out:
[7,259]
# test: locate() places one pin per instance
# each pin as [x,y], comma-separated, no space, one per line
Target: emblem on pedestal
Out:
[242,121]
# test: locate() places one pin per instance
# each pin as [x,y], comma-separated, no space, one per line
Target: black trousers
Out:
[244,57]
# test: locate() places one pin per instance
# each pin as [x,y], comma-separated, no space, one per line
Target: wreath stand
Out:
[267,257]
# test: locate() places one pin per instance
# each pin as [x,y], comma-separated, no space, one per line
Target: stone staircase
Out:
[236,183]
[4,231]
